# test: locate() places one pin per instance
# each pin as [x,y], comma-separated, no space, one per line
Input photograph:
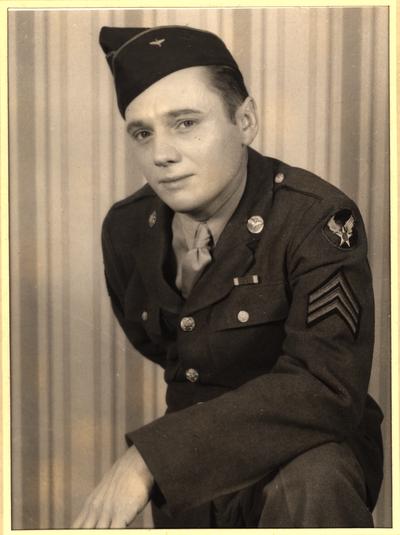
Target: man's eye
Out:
[141,135]
[186,123]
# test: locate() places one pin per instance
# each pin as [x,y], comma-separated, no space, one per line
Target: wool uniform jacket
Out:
[270,354]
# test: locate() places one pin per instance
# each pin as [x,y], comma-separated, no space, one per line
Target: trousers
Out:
[321,488]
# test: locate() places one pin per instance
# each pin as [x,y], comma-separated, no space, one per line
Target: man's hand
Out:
[121,495]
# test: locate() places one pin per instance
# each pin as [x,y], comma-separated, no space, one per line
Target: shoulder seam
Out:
[325,190]
[303,192]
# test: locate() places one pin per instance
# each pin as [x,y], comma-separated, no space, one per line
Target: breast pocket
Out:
[251,305]
[248,328]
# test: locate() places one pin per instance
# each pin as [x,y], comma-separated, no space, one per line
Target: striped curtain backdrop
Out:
[320,79]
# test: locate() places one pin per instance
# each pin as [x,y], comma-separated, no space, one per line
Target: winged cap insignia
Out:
[344,232]
[157,42]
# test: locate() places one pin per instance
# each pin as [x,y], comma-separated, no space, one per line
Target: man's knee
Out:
[324,471]
[323,487]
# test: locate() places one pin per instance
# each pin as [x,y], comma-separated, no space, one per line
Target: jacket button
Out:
[279,178]
[145,315]
[192,375]
[243,316]
[187,323]
[152,219]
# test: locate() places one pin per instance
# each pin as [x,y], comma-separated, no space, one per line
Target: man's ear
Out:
[247,120]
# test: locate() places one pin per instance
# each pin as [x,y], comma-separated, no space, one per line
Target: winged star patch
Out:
[334,296]
[341,229]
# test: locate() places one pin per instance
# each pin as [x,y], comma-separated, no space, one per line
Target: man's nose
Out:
[165,151]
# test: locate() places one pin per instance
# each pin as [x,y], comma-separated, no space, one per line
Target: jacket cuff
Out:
[150,441]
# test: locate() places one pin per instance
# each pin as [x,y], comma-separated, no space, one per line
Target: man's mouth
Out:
[174,179]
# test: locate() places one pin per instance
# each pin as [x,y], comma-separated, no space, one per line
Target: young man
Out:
[247,281]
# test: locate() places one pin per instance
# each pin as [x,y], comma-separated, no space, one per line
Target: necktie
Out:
[196,259]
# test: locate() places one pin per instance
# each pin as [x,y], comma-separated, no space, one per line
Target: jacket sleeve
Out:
[314,394]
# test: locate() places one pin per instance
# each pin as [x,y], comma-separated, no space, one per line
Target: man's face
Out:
[189,151]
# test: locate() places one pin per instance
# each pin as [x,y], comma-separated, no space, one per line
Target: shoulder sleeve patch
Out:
[334,296]
[341,229]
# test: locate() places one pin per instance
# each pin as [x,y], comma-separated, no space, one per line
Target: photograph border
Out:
[5,449]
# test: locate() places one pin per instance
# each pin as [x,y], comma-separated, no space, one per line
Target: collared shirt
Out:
[184,228]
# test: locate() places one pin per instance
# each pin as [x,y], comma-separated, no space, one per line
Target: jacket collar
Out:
[233,255]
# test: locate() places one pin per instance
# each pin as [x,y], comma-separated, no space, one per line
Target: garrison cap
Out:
[139,57]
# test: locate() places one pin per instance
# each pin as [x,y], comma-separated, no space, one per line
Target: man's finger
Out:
[104,520]
[119,521]
[91,519]
[86,509]
[80,518]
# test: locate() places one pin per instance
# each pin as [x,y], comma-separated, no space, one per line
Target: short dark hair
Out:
[230,85]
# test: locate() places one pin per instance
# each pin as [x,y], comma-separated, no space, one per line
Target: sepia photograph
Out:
[199,228]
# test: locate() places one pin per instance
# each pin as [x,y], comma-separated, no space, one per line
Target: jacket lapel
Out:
[151,257]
